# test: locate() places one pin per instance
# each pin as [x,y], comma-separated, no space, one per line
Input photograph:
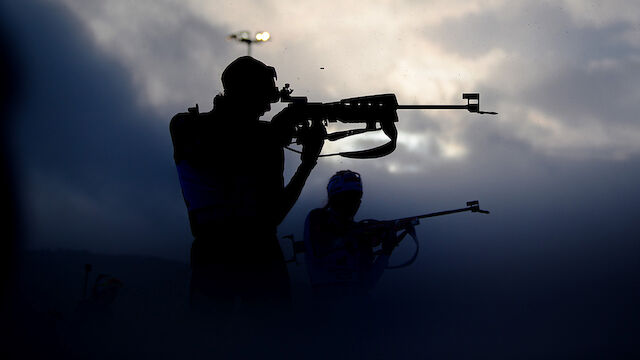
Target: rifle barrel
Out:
[400,107]
[438,213]
[412,220]
[447,212]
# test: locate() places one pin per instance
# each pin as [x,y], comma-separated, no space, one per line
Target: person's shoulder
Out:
[316,220]
[183,120]
[189,121]
[319,214]
[178,120]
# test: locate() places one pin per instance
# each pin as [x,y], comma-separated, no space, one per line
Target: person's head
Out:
[250,84]
[345,193]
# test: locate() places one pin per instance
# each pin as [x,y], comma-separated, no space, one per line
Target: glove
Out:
[284,125]
[389,242]
[313,143]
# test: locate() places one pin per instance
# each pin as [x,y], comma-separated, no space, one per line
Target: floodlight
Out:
[245,37]
[262,36]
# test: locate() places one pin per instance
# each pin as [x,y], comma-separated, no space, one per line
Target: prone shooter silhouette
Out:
[236,197]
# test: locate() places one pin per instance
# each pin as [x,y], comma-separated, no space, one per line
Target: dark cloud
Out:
[174,56]
[93,171]
[602,93]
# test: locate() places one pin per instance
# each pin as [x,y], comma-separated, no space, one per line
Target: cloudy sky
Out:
[558,167]
[97,81]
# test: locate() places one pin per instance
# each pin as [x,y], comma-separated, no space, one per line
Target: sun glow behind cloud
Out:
[176,51]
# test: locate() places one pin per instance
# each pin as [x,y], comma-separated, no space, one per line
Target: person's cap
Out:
[247,75]
[344,180]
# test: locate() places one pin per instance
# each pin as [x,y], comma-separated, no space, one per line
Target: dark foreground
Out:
[463,315]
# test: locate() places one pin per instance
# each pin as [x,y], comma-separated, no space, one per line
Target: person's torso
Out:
[227,172]
[335,255]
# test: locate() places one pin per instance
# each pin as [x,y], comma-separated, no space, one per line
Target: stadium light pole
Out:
[245,37]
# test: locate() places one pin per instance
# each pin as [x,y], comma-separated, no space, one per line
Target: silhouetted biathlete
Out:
[338,251]
[230,166]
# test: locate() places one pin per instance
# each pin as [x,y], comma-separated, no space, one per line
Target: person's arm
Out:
[310,152]
[373,274]
[292,191]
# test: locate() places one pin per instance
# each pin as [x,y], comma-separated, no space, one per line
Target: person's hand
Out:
[370,231]
[313,142]
[389,241]
[284,124]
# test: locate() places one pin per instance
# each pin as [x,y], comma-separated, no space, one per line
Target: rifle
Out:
[406,225]
[371,110]
[403,223]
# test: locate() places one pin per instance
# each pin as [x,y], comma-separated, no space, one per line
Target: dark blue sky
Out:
[92,172]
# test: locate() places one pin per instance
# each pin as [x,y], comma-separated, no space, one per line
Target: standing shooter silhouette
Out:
[230,166]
